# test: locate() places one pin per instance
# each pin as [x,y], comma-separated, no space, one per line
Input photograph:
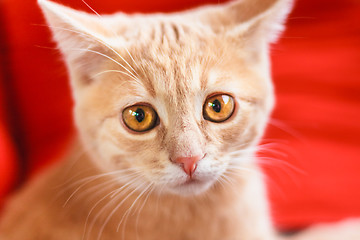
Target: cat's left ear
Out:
[254,21]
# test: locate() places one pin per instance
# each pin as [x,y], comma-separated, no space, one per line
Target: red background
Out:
[315,126]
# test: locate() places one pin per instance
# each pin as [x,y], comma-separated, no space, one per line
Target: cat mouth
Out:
[191,186]
[196,179]
[192,180]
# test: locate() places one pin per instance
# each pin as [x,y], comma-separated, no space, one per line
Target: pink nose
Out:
[189,164]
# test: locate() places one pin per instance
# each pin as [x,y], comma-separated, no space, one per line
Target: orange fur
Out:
[222,213]
[118,184]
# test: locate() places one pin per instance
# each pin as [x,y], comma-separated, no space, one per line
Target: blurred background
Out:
[310,153]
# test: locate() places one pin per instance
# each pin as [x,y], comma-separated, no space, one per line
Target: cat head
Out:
[171,101]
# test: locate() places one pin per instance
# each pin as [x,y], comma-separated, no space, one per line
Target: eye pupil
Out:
[216,106]
[139,115]
[140,118]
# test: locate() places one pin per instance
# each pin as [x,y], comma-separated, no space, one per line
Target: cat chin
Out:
[190,188]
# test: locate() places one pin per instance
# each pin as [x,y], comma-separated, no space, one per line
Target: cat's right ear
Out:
[81,37]
[254,24]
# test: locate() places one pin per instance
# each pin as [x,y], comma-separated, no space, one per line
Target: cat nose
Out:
[189,164]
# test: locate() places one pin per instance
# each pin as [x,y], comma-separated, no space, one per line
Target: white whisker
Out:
[96,187]
[115,191]
[115,209]
[90,179]
[104,44]
[108,57]
[91,8]
[271,161]
[108,205]
[158,197]
[127,212]
[139,211]
[116,36]
[117,71]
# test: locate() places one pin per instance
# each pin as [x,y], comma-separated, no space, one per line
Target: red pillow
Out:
[7,162]
[316,74]
[8,158]
[316,120]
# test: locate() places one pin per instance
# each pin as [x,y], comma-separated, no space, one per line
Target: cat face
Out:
[176,85]
[169,101]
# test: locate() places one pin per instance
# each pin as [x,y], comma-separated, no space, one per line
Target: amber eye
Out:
[139,118]
[218,108]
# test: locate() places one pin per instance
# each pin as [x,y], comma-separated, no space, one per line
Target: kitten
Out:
[169,109]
